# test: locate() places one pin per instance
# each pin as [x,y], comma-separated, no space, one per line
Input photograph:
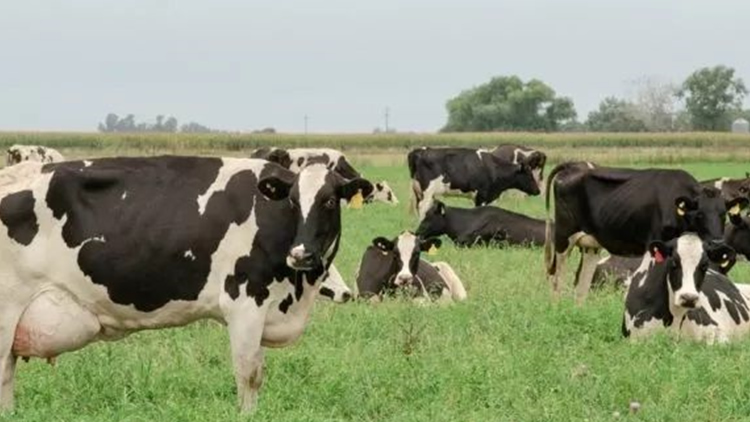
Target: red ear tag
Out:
[658,257]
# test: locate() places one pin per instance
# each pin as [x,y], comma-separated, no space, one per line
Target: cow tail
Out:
[416,190]
[550,259]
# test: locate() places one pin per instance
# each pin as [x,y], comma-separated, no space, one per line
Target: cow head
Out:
[280,157]
[406,248]
[383,193]
[525,180]
[315,195]
[706,213]
[686,260]
[434,222]
[735,188]
[737,234]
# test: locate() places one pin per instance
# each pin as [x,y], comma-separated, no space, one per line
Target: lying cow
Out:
[518,154]
[731,189]
[622,210]
[333,287]
[296,159]
[390,265]
[96,250]
[437,171]
[19,153]
[615,269]
[481,226]
[678,289]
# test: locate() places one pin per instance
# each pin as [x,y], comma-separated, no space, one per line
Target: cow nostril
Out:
[346,297]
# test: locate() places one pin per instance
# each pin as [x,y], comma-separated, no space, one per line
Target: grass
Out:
[506,354]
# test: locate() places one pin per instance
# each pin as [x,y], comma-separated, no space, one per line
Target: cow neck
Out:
[453,217]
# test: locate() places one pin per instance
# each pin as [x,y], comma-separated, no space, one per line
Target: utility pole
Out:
[306,118]
[387,114]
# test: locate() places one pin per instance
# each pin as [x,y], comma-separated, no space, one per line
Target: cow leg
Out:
[247,357]
[589,261]
[9,318]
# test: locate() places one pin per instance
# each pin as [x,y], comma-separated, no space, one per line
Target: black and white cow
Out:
[333,287]
[437,171]
[96,250]
[481,226]
[296,159]
[518,154]
[615,269]
[731,189]
[20,153]
[678,288]
[391,265]
[622,210]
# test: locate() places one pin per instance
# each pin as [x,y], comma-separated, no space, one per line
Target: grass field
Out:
[506,354]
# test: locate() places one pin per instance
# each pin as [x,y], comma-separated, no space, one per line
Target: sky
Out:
[248,64]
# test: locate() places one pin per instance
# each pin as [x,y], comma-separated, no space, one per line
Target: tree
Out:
[170,125]
[507,103]
[110,123]
[655,103]
[615,115]
[711,94]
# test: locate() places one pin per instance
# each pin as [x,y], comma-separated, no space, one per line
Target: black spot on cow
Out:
[300,161]
[17,214]
[232,286]
[286,303]
[325,291]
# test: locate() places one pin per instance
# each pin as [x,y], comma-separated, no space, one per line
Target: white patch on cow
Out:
[481,151]
[335,283]
[437,186]
[189,255]
[590,165]
[643,268]
[720,183]
[648,327]
[521,152]
[230,167]
[382,194]
[306,154]
[87,163]
[406,243]
[124,195]
[311,180]
[690,250]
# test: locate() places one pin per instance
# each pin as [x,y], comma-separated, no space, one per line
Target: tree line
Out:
[710,99]
[113,123]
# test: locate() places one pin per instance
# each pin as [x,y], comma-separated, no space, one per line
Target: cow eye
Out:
[743,190]
[330,203]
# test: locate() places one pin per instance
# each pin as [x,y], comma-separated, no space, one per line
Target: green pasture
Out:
[506,354]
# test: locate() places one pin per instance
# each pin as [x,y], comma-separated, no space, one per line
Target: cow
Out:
[19,153]
[391,265]
[621,211]
[737,234]
[333,287]
[615,269]
[678,287]
[437,171]
[518,154]
[96,250]
[296,159]
[731,189]
[485,225]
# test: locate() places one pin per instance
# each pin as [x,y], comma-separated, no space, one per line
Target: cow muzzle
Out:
[403,279]
[300,259]
[688,300]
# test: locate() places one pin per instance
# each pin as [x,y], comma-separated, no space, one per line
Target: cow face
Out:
[686,260]
[406,249]
[434,222]
[383,193]
[315,195]
[525,180]
[737,234]
[706,213]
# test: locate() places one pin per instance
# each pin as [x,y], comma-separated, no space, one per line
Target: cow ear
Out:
[659,250]
[427,244]
[275,188]
[353,187]
[383,244]
[685,204]
[722,254]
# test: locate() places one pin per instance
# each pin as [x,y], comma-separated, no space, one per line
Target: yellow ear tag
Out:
[357,200]
[432,251]
[735,210]
[725,264]
[681,209]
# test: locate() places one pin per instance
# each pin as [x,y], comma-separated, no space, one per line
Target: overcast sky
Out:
[247,64]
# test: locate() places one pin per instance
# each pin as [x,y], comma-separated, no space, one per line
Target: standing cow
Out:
[20,153]
[437,171]
[622,210]
[96,250]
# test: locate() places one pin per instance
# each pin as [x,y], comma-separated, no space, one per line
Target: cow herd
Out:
[97,249]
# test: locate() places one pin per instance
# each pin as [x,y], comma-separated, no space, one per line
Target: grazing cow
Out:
[678,288]
[389,265]
[518,154]
[20,153]
[731,189]
[622,210]
[436,171]
[96,250]
[481,226]
[333,287]
[297,158]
